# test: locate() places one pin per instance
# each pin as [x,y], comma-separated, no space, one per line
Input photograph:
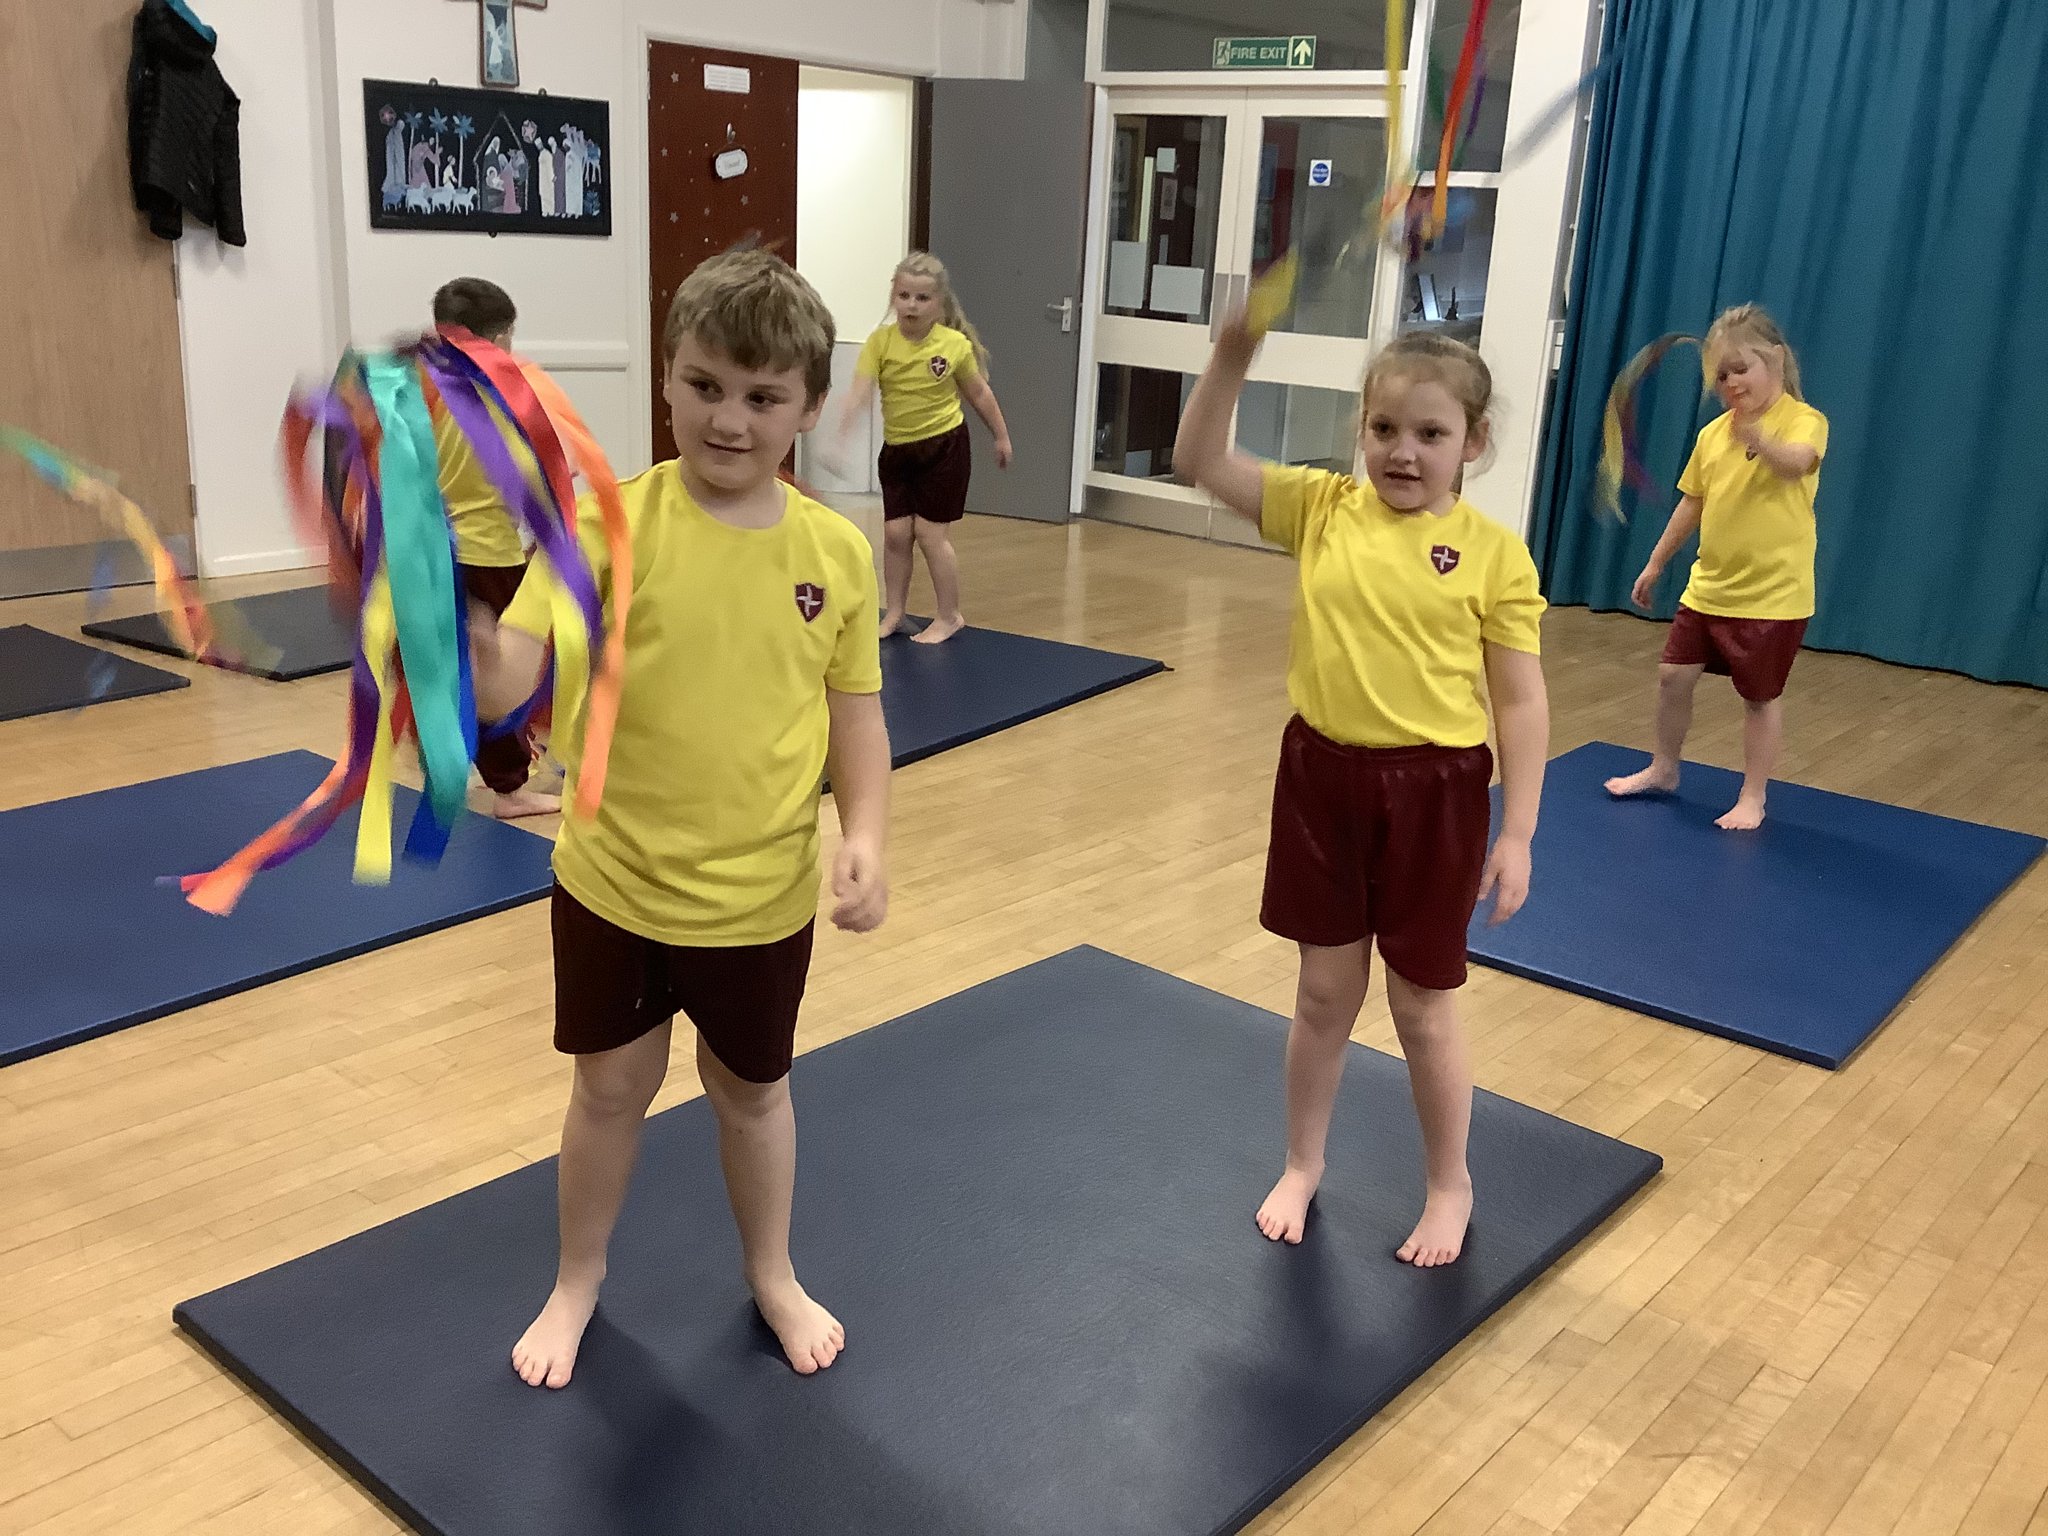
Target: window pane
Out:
[1163,34]
[1137,412]
[1319,181]
[1165,198]
[1446,289]
[1482,147]
[1299,424]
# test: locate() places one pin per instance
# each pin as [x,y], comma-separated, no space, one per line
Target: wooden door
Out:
[693,212]
[88,303]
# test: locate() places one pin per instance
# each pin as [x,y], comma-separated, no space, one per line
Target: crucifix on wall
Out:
[498,39]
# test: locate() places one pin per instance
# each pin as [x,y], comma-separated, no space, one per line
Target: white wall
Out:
[255,321]
[316,277]
[853,173]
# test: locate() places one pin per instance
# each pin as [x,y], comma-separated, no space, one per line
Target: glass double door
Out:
[1206,189]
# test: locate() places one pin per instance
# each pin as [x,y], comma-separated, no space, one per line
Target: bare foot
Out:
[1746,816]
[1440,1236]
[1285,1213]
[811,1336]
[891,622]
[524,802]
[939,630]
[546,1353]
[1653,780]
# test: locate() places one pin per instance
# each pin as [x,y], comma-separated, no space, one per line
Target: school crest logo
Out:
[1444,558]
[810,600]
[939,367]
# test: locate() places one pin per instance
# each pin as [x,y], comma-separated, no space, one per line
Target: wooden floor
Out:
[1829,1314]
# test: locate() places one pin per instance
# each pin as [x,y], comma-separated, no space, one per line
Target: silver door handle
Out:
[1065,310]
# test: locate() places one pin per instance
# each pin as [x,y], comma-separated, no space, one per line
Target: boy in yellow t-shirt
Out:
[1749,489]
[1411,611]
[925,362]
[751,663]
[489,556]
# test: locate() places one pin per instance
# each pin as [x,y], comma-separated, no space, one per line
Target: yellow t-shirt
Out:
[1394,609]
[920,380]
[708,830]
[484,531]
[1757,530]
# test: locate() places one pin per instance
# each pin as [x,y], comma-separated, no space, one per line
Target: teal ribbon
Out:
[420,561]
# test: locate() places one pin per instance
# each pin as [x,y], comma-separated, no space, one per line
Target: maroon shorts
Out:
[1756,653]
[612,987]
[927,478]
[503,762]
[1385,843]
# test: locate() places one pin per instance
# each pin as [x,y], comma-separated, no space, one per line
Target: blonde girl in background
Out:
[925,361]
[1749,491]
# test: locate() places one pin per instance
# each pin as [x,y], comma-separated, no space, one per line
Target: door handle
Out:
[1065,310]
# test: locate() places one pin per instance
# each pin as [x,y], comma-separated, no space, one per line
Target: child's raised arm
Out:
[1202,450]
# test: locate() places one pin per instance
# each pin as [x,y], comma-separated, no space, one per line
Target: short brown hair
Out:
[476,304]
[756,308]
[1426,356]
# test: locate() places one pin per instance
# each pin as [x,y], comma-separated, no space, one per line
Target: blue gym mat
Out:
[42,674]
[1800,938]
[981,681]
[1031,1206]
[299,622]
[90,943]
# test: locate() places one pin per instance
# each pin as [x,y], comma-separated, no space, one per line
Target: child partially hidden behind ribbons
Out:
[1409,603]
[489,556]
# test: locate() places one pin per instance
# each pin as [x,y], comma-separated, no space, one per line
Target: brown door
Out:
[693,212]
[88,308]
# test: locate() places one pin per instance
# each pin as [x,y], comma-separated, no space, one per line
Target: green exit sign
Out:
[1264,53]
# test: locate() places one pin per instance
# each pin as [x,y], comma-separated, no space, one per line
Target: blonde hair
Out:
[757,309]
[1746,325]
[925,264]
[1426,357]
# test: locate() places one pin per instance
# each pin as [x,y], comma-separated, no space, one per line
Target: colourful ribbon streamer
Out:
[1621,462]
[198,631]
[1461,85]
[376,502]
[1412,221]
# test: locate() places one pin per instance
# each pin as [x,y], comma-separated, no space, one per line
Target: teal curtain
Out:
[1875,173]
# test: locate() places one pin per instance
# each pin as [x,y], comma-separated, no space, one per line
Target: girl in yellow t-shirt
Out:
[925,361]
[1413,609]
[1749,489]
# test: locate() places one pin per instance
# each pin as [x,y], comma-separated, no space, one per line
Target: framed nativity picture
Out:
[504,162]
